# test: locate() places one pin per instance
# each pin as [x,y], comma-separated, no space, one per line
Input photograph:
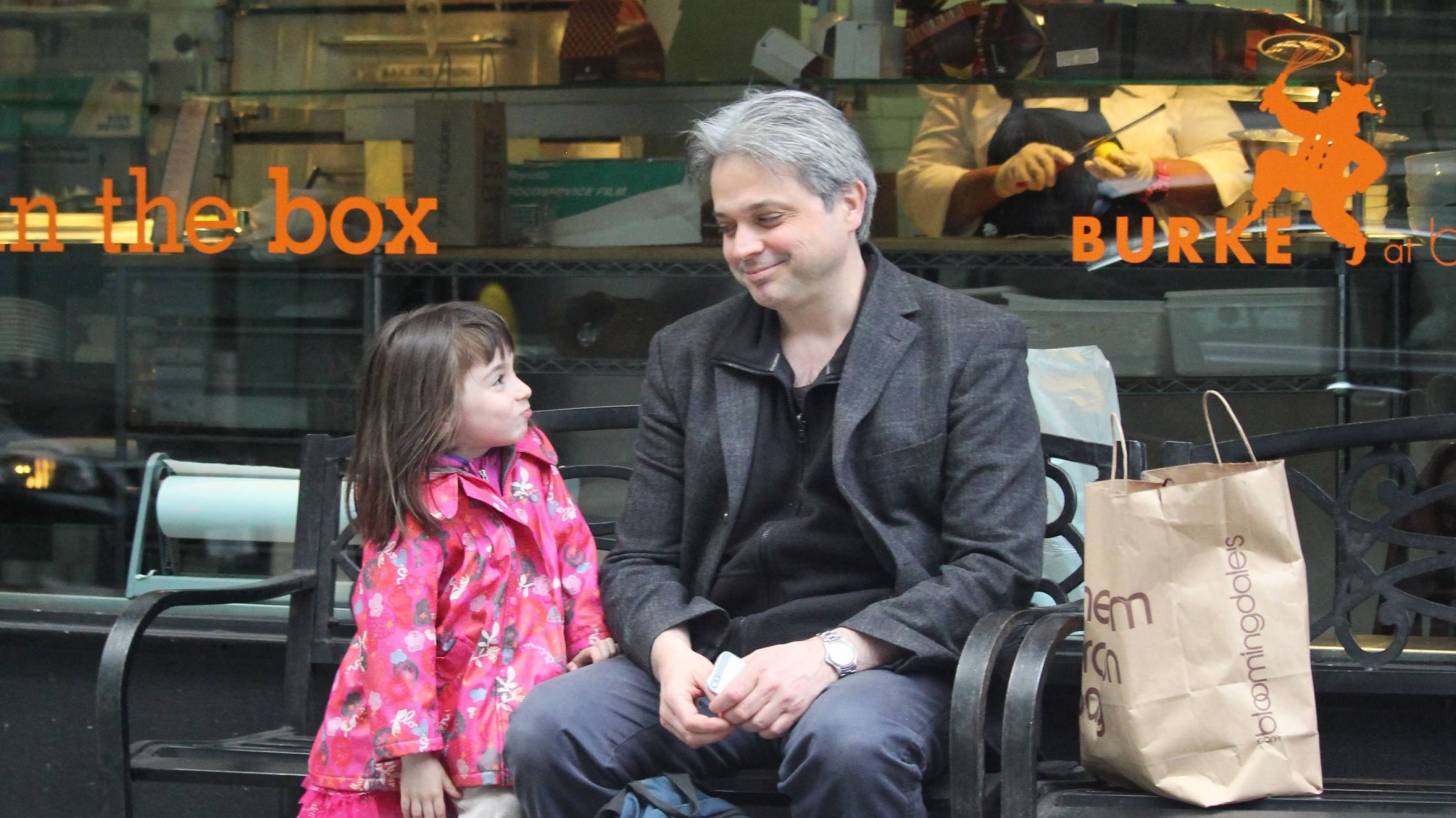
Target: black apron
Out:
[1049,212]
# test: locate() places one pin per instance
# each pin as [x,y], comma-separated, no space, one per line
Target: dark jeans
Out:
[862,749]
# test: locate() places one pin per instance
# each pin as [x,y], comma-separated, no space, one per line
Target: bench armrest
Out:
[970,697]
[112,727]
[1021,727]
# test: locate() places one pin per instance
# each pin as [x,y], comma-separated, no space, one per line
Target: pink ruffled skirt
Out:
[318,802]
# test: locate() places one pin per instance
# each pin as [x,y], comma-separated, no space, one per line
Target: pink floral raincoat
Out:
[454,631]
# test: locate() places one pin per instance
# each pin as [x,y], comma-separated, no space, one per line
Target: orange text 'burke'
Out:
[1183,231]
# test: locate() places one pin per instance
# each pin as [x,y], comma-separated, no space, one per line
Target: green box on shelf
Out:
[88,106]
[541,192]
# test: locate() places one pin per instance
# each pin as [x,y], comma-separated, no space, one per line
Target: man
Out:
[837,473]
[1006,165]
[979,156]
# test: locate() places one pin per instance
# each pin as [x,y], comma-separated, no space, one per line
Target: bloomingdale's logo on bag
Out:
[1098,658]
[1251,624]
[320,225]
[1330,164]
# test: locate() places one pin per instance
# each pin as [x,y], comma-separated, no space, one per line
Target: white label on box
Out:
[1080,56]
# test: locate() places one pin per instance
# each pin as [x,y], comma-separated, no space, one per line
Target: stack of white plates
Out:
[1430,182]
[29,330]
[1377,205]
[1430,178]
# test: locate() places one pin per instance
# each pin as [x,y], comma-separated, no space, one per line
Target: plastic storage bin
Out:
[1132,334]
[1268,331]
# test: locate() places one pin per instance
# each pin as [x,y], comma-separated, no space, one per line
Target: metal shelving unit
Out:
[931,259]
[927,258]
[581,366]
[130,276]
[1258,384]
[548,267]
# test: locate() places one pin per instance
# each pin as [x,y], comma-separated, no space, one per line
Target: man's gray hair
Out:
[786,131]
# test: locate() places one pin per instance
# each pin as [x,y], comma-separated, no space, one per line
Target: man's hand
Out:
[1122,172]
[682,676]
[775,687]
[423,785]
[1034,167]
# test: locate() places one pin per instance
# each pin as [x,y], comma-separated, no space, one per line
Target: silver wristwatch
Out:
[839,653]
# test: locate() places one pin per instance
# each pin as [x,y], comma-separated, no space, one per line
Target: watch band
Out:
[833,643]
[1162,181]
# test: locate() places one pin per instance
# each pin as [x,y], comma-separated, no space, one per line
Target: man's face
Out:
[779,241]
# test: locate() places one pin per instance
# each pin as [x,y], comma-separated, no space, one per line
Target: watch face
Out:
[840,654]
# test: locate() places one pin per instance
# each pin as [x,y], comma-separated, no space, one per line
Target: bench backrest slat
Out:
[316,526]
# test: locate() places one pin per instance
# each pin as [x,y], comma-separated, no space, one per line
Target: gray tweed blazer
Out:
[935,447]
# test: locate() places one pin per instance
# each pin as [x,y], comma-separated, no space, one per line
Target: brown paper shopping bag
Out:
[1195,673]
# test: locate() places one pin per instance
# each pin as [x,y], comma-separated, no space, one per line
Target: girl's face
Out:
[493,409]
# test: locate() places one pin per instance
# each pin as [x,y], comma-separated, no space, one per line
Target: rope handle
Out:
[1208,423]
[1119,442]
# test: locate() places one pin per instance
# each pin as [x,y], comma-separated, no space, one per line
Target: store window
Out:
[117,366]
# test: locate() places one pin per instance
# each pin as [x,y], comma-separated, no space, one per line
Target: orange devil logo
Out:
[1331,164]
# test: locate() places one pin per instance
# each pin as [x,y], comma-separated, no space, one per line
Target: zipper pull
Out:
[803,435]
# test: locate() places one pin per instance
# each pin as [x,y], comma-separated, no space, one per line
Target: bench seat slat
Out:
[230,768]
[1341,798]
[761,787]
[280,758]
[277,757]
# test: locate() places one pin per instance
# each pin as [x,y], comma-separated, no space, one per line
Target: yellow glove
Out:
[1121,172]
[1034,167]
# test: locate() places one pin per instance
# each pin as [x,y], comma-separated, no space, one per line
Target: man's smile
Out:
[755,273]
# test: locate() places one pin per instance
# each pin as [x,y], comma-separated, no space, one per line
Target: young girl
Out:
[478,580]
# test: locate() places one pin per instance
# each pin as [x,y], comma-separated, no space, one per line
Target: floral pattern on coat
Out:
[455,629]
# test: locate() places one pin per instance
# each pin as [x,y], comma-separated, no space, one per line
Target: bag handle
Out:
[1119,442]
[1208,423]
[639,789]
[684,785]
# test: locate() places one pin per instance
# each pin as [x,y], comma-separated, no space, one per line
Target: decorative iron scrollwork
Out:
[1357,535]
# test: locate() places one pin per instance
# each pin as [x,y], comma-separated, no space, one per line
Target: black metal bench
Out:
[317,638]
[1358,730]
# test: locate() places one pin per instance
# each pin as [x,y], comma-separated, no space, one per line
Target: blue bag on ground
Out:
[667,796]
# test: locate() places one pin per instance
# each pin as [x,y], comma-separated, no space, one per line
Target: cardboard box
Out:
[782,56]
[101,105]
[460,159]
[868,50]
[1132,334]
[602,202]
[1255,331]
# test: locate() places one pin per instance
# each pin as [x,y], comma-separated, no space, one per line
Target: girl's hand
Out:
[599,651]
[423,785]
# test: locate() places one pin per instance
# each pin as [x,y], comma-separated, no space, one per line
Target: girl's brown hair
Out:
[411,379]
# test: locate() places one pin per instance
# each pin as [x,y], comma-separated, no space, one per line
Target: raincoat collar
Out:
[449,477]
